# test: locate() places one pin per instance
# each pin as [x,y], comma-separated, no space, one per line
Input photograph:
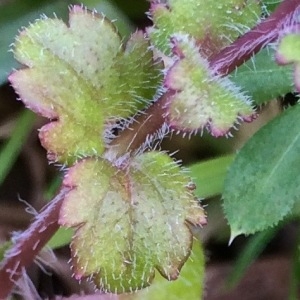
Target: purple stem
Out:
[254,40]
[222,63]
[30,242]
[28,245]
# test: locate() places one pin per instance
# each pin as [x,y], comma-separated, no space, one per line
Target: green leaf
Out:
[62,237]
[189,284]
[262,78]
[200,99]
[263,182]
[3,248]
[112,12]
[289,52]
[211,25]
[12,148]
[271,4]
[83,79]
[209,175]
[129,222]
[17,13]
[12,17]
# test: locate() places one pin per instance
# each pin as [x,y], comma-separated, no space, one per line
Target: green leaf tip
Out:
[129,222]
[233,236]
[201,99]
[82,78]
[260,190]
[211,26]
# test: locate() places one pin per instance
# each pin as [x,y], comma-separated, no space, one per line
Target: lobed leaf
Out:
[129,222]
[200,99]
[15,14]
[82,79]
[189,284]
[211,26]
[260,190]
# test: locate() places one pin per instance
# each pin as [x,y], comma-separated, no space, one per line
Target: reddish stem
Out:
[42,229]
[146,124]
[29,243]
[254,40]
[222,63]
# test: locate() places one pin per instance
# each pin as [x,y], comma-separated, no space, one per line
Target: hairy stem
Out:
[27,246]
[29,243]
[146,124]
[222,63]
[254,40]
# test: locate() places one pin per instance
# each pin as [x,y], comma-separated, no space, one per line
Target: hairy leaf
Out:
[201,99]
[189,284]
[263,182]
[129,222]
[289,52]
[82,79]
[13,15]
[212,24]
